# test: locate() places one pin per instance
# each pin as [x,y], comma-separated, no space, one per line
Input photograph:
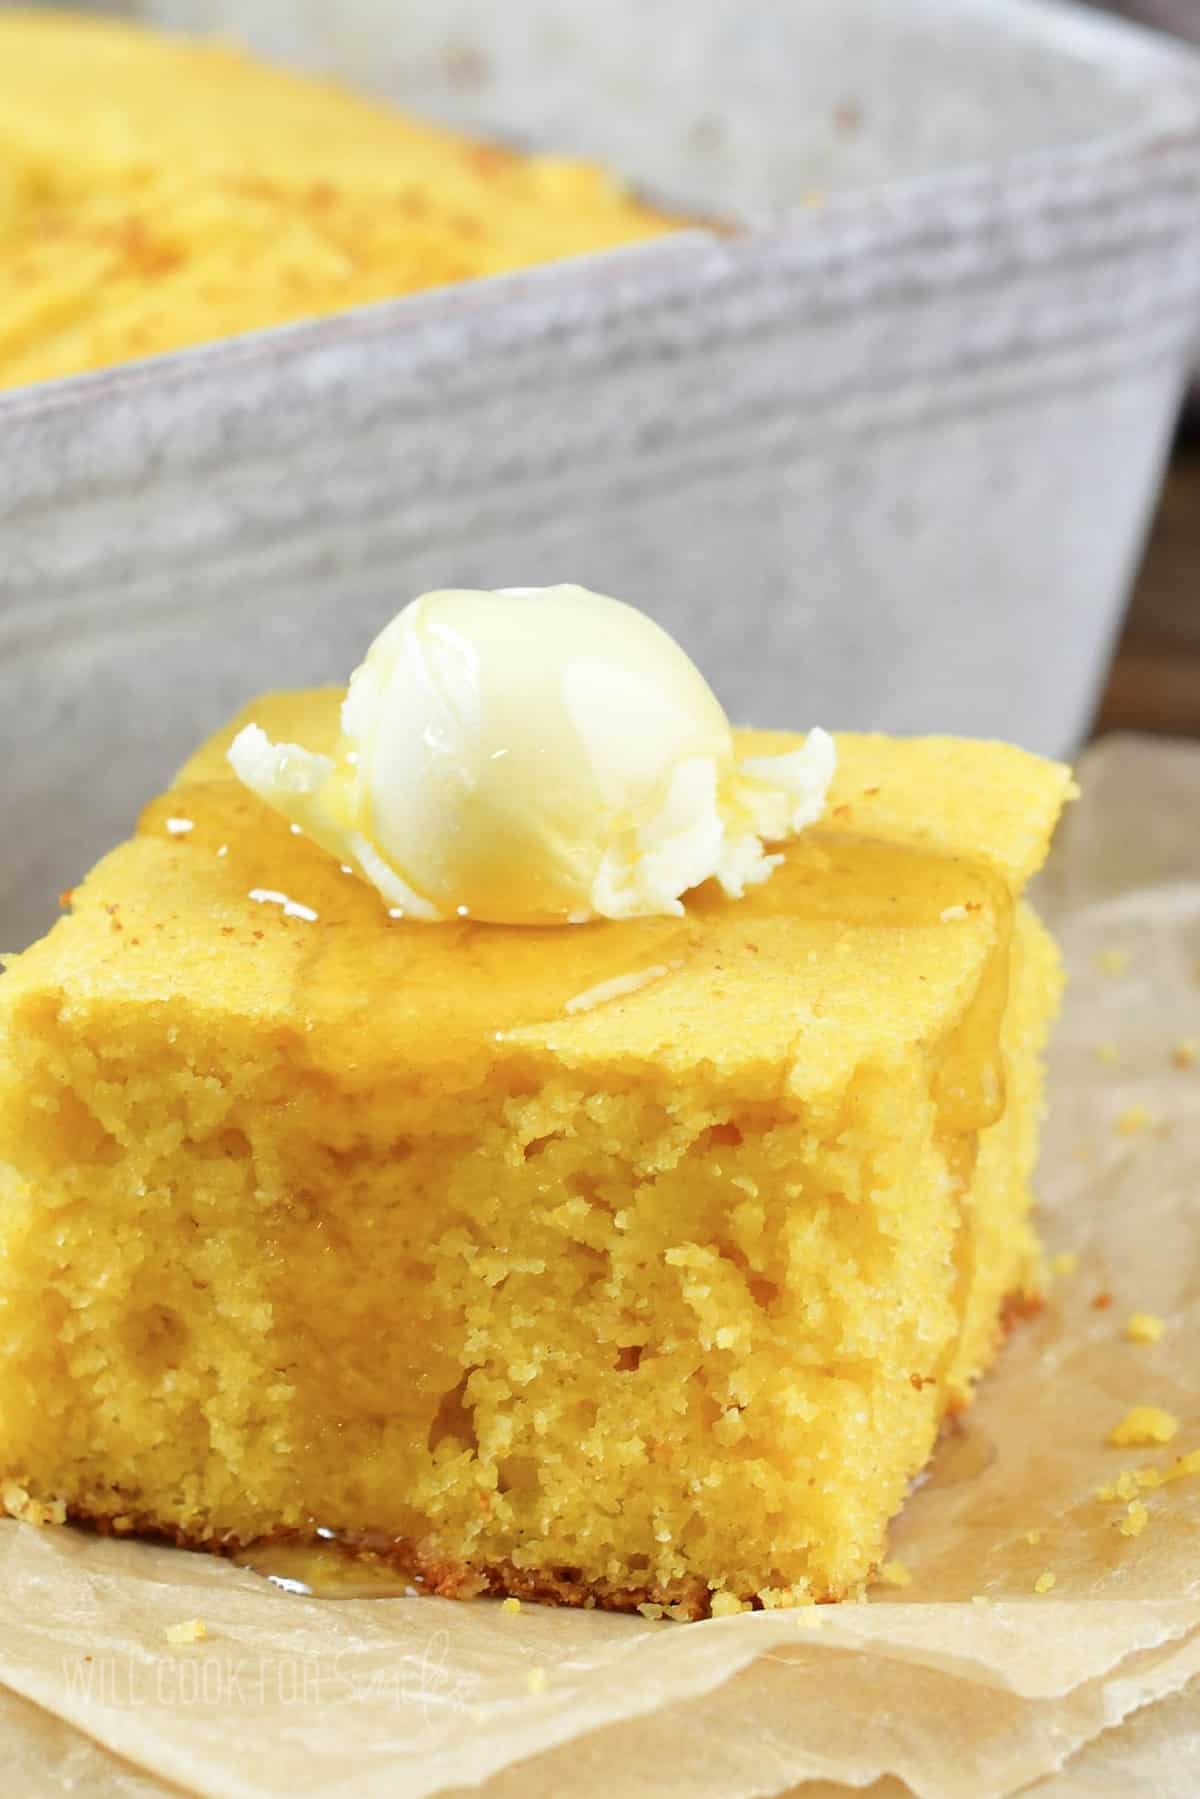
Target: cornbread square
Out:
[633,1261]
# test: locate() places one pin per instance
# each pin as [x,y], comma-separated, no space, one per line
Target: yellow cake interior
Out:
[157,192]
[627,1262]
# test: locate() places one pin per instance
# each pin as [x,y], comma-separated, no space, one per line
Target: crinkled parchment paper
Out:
[965,1684]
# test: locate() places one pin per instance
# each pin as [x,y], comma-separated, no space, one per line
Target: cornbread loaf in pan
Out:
[882,452]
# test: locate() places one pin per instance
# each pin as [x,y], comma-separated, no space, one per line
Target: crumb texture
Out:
[354,1224]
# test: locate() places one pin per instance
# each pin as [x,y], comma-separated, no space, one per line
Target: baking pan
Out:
[881,453]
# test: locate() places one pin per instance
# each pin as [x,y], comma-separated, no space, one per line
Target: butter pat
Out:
[537,756]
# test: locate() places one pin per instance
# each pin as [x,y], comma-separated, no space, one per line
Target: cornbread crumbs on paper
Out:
[1185,1053]
[1144,1327]
[1125,1486]
[1184,1467]
[1045,1582]
[1133,1120]
[192,1630]
[1131,1481]
[774,1599]
[1033,1537]
[1135,1520]
[1064,1263]
[1143,1425]
[895,1574]
[20,1504]
[726,1605]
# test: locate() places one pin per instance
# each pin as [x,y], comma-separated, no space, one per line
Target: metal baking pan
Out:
[884,460]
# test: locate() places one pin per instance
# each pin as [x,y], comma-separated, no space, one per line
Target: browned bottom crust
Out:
[449,1579]
[437,1576]
[1016,1307]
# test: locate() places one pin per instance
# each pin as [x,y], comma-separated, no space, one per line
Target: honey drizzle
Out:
[331,1567]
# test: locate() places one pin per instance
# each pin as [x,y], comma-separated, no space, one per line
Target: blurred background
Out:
[1154,684]
[1153,681]
[849,338]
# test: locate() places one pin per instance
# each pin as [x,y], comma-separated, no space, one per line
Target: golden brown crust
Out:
[1015,1307]
[437,1575]
[447,1578]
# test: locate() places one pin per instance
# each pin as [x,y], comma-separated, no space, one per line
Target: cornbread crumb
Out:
[1045,1581]
[1143,1425]
[20,1504]
[1186,1053]
[535,1680]
[774,1599]
[980,1599]
[649,1609]
[895,1574]
[1125,1486]
[1113,961]
[1064,1263]
[192,1630]
[1108,1054]
[510,1605]
[1135,1520]
[726,1605]
[1033,1536]
[1132,1120]
[1181,1469]
[1144,1327]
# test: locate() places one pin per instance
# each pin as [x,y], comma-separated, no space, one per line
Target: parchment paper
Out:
[965,1684]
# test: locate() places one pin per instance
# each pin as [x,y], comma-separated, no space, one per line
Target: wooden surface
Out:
[1155,679]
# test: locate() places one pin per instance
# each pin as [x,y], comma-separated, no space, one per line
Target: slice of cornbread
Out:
[158,191]
[631,1261]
